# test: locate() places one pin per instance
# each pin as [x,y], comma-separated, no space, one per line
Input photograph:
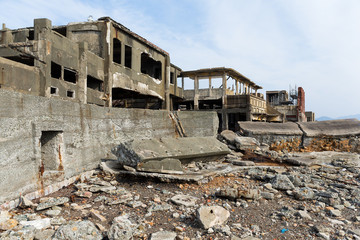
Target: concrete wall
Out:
[44,140]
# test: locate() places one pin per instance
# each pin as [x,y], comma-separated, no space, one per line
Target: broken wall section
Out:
[47,140]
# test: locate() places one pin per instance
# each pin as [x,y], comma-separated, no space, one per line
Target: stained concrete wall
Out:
[83,134]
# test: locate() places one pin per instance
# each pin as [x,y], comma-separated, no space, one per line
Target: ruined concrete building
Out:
[292,107]
[239,102]
[99,62]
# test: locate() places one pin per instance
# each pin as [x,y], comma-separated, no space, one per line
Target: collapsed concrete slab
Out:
[139,151]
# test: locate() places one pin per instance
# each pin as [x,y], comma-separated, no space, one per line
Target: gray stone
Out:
[121,228]
[25,203]
[186,200]
[229,136]
[249,193]
[267,195]
[44,234]
[167,165]
[163,235]
[241,163]
[210,216]
[304,193]
[304,214]
[26,233]
[78,230]
[246,143]
[282,182]
[38,224]
[52,202]
[52,213]
[335,212]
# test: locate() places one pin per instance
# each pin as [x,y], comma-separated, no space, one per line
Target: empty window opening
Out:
[61,30]
[31,35]
[128,56]
[55,70]
[51,150]
[54,91]
[122,98]
[179,82]
[150,67]
[172,78]
[94,83]
[117,51]
[69,75]
[22,59]
[70,94]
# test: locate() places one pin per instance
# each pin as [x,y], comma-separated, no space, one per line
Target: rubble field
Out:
[260,199]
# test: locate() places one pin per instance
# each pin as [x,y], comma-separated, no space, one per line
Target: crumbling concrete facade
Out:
[99,62]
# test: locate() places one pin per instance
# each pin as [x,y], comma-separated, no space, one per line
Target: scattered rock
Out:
[163,235]
[186,200]
[282,182]
[121,228]
[78,230]
[52,202]
[212,216]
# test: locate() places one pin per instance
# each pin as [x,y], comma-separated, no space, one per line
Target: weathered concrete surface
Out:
[335,128]
[187,149]
[324,158]
[79,136]
[166,165]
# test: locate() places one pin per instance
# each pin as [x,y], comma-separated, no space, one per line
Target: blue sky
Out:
[276,43]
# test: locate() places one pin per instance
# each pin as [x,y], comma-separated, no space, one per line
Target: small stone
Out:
[8,224]
[210,216]
[78,230]
[121,228]
[267,195]
[176,215]
[38,224]
[85,194]
[163,235]
[25,203]
[52,202]
[304,214]
[304,193]
[282,182]
[335,212]
[52,213]
[96,214]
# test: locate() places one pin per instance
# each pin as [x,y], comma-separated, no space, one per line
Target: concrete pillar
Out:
[6,35]
[210,89]
[182,86]
[224,99]
[167,83]
[42,32]
[82,78]
[236,87]
[196,93]
[108,81]
[224,125]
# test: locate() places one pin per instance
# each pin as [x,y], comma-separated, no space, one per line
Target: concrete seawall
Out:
[44,141]
[341,134]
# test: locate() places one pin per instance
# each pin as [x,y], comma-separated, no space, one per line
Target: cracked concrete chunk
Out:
[163,235]
[186,149]
[212,216]
[121,228]
[282,182]
[167,165]
[52,202]
[186,200]
[78,230]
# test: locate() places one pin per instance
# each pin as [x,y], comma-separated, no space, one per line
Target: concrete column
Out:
[210,89]
[236,87]
[108,80]
[182,86]
[82,78]
[6,35]
[224,124]
[42,32]
[224,99]
[167,82]
[196,93]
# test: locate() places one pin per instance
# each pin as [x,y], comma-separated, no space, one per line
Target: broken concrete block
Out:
[212,216]
[246,143]
[185,149]
[167,165]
